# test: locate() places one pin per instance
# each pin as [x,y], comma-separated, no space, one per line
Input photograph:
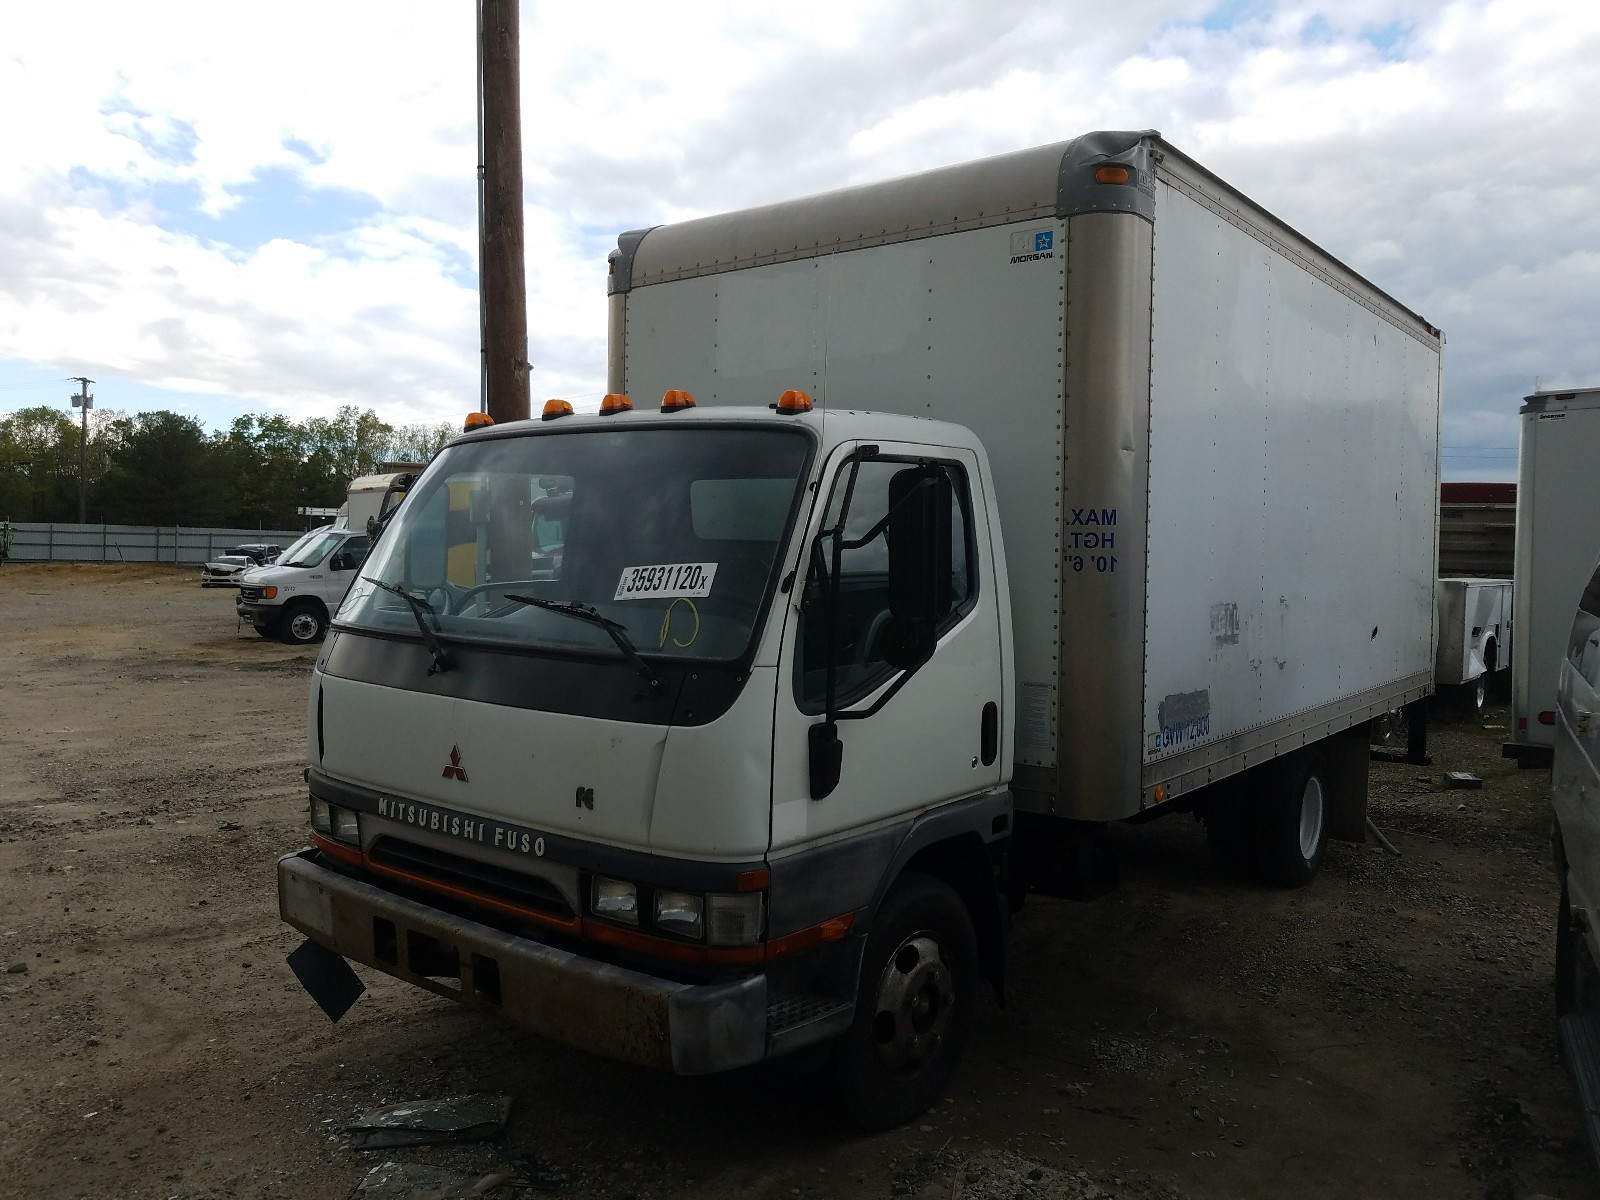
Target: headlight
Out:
[736,919]
[680,913]
[346,827]
[339,823]
[614,900]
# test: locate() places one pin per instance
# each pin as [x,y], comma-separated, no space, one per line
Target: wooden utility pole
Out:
[502,283]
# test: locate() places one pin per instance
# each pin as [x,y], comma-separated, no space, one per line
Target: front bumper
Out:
[692,1029]
[262,616]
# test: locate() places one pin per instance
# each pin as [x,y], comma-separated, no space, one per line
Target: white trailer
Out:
[1475,626]
[1558,539]
[1020,497]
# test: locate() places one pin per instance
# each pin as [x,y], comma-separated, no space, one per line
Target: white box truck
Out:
[1558,539]
[1058,489]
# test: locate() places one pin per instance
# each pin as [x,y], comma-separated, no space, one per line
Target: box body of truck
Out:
[1558,539]
[1215,447]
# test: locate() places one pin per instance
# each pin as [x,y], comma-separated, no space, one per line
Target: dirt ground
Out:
[1388,1031]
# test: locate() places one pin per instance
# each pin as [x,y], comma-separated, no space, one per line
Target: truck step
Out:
[1580,1048]
[791,1012]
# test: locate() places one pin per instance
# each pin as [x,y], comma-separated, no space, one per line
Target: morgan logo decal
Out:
[455,770]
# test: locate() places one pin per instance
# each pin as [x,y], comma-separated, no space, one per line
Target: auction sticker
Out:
[669,580]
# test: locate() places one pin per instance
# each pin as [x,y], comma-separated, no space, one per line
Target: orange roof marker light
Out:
[1112,174]
[675,400]
[615,402]
[795,401]
[556,408]
[476,420]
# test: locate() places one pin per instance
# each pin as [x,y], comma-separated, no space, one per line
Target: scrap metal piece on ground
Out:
[327,977]
[1462,779]
[413,1181]
[471,1118]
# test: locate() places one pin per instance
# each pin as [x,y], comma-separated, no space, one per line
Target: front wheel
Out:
[303,625]
[914,1008]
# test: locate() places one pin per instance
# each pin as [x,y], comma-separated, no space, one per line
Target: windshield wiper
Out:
[619,633]
[421,610]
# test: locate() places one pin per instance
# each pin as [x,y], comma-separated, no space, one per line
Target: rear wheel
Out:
[1474,695]
[914,1007]
[303,624]
[1292,819]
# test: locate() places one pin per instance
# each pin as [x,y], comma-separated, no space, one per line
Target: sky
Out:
[225,209]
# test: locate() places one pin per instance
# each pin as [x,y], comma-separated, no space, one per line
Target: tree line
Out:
[163,468]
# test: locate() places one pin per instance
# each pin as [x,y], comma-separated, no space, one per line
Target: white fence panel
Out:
[38,541]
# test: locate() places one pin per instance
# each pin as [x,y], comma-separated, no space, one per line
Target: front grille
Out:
[486,879]
[249,593]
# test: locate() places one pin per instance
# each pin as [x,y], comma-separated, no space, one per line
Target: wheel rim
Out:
[915,1005]
[303,626]
[1480,694]
[1310,818]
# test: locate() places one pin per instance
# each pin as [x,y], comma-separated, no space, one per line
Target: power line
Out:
[28,387]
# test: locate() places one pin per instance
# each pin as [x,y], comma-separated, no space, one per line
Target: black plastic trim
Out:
[607,688]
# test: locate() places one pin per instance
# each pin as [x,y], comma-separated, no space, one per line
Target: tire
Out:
[303,625]
[1292,820]
[1577,981]
[1473,697]
[914,1007]
[266,631]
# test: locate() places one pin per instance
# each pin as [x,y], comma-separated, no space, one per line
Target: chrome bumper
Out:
[692,1029]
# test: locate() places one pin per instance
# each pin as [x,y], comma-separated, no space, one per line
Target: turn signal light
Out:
[476,420]
[676,399]
[1111,175]
[795,401]
[554,409]
[615,402]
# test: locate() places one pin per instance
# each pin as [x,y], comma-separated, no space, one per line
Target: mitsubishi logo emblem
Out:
[455,770]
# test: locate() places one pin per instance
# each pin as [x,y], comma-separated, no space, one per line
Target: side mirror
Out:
[919,536]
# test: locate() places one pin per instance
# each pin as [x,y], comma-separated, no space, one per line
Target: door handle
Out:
[1580,720]
[989,737]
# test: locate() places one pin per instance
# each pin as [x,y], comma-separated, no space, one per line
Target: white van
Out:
[1575,796]
[293,597]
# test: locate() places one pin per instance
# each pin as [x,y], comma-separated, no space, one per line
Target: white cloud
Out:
[1442,147]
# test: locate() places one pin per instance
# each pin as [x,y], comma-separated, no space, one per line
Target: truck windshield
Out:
[308,552]
[673,535]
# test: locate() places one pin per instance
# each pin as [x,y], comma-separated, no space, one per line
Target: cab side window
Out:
[854,642]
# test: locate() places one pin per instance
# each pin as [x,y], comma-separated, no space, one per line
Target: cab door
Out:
[342,566]
[936,737]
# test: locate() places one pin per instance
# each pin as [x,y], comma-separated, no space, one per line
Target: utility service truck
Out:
[1474,649]
[1558,539]
[981,509]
